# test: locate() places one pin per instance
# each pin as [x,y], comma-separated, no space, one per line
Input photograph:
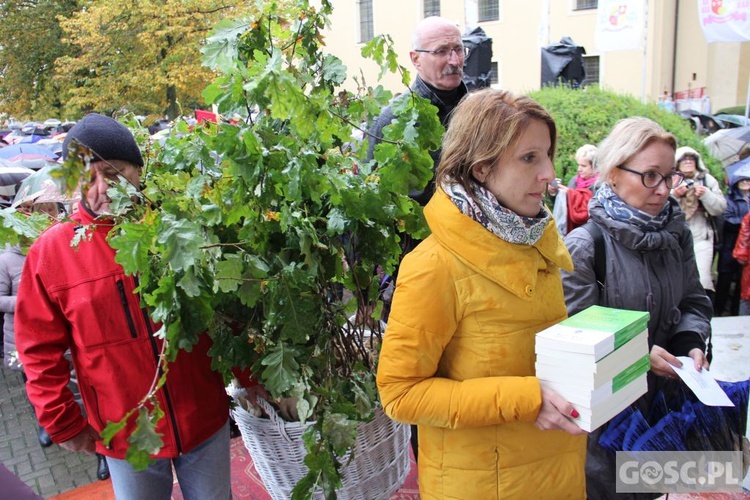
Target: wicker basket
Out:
[379,469]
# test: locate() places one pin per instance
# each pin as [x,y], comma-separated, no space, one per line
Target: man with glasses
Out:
[438,55]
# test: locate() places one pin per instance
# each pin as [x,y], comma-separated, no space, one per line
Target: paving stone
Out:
[45,481]
[23,468]
[32,475]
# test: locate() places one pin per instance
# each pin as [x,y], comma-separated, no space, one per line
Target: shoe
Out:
[102,471]
[44,438]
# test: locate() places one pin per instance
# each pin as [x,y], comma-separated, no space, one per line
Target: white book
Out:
[578,392]
[596,331]
[581,370]
[578,396]
[592,418]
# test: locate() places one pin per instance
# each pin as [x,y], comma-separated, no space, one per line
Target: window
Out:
[494,77]
[431,8]
[591,66]
[586,4]
[489,10]
[366,28]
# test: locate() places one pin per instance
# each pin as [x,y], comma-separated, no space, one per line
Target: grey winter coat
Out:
[652,272]
[11,264]
[645,271]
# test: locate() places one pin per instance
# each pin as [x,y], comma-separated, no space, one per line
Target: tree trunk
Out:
[172,110]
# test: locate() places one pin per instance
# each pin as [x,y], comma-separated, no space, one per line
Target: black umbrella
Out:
[11,176]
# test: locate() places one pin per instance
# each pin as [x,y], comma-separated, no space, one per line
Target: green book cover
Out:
[623,323]
[631,373]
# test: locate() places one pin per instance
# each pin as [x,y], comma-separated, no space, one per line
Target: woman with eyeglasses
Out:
[649,264]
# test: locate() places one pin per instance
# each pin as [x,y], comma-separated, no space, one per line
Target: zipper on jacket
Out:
[124,300]
[170,409]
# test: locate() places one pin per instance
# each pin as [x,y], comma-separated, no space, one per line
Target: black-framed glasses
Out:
[461,51]
[652,179]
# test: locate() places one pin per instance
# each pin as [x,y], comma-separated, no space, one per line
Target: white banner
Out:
[725,20]
[619,25]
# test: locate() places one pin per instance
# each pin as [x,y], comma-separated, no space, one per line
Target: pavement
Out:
[51,471]
[48,471]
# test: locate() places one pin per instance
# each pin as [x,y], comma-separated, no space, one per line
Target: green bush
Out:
[587,116]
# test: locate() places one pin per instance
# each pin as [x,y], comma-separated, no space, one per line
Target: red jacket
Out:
[742,254]
[82,300]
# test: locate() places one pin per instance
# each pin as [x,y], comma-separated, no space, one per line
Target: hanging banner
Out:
[619,25]
[725,20]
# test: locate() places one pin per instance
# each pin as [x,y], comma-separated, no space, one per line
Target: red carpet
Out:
[245,482]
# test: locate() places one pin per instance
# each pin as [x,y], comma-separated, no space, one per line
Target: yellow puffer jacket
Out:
[458,360]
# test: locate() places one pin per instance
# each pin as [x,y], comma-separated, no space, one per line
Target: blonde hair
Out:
[586,152]
[627,138]
[484,125]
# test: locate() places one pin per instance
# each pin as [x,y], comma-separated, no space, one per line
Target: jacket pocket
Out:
[126,309]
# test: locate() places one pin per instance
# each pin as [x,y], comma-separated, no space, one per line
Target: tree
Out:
[30,43]
[248,232]
[142,55]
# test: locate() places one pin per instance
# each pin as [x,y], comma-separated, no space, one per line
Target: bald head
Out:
[437,53]
[428,27]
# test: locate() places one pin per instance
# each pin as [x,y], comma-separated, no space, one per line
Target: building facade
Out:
[665,52]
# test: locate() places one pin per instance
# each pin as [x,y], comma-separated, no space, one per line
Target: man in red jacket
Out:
[81,299]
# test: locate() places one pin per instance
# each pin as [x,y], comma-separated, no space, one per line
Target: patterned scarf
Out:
[621,211]
[484,208]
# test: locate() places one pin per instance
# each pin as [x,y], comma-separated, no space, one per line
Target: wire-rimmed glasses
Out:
[460,50]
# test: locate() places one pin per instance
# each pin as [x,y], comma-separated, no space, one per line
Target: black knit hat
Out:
[106,137]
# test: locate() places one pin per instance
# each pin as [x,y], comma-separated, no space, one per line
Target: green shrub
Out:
[587,116]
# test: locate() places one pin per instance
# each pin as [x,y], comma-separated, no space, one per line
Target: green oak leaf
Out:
[281,369]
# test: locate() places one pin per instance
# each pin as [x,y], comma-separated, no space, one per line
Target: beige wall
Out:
[527,25]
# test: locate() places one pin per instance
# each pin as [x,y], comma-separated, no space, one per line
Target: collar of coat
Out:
[513,266]
[422,89]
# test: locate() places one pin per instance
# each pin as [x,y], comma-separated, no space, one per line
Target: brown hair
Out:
[484,125]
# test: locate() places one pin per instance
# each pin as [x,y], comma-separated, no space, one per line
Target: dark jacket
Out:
[80,298]
[444,111]
[645,271]
[737,207]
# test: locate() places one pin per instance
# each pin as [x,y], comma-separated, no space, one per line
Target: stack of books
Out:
[597,360]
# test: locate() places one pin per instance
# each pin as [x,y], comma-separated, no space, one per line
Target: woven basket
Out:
[379,468]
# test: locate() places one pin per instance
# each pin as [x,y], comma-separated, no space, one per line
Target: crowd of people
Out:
[457,359]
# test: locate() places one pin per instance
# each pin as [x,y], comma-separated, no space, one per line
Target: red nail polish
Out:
[574,413]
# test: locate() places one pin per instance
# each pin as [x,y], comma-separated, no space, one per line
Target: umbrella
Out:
[725,144]
[30,160]
[738,170]
[10,175]
[707,122]
[19,149]
[41,187]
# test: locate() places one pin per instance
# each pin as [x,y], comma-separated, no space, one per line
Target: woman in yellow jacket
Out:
[458,354]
